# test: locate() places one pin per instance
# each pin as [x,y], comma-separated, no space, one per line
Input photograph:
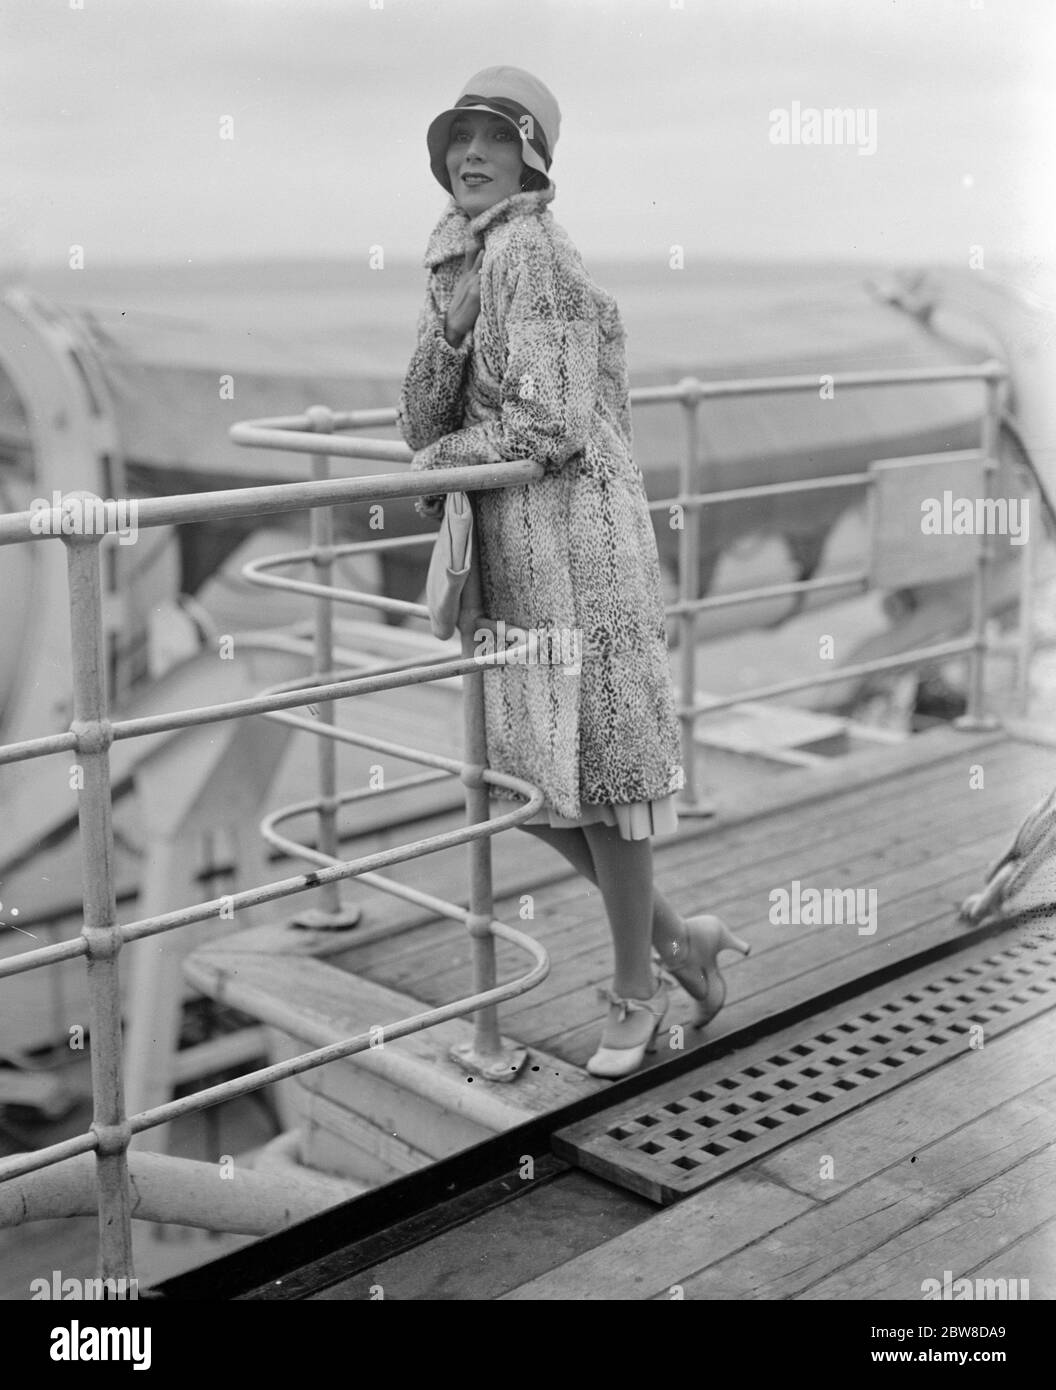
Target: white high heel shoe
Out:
[696,967]
[630,1032]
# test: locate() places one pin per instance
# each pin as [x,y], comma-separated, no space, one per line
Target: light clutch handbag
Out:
[450,565]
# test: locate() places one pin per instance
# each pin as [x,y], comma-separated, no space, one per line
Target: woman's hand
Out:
[465,300]
[511,634]
[431,508]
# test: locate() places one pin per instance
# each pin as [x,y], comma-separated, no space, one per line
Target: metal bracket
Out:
[318,919]
[506,1065]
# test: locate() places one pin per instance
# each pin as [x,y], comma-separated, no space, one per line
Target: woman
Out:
[521,355]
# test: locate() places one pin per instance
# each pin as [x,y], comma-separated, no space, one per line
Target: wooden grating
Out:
[694,1130]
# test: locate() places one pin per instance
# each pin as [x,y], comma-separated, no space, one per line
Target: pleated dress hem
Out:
[635,820]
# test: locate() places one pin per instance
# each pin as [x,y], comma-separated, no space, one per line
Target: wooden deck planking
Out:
[962,1234]
[645,1261]
[887,841]
[917,895]
[1032,1257]
[747,912]
[490,1254]
[834,972]
[523,864]
[900,1162]
[741,822]
[763,984]
[684,864]
[964,875]
[903,896]
[738,883]
[683,868]
[918,1114]
[881,1236]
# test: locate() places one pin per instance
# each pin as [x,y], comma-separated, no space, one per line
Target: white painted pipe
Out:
[183,1192]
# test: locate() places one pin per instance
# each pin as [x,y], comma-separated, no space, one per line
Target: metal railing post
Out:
[691,802]
[486,1055]
[102,937]
[333,915]
[975,716]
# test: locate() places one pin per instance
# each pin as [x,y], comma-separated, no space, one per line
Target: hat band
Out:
[517,114]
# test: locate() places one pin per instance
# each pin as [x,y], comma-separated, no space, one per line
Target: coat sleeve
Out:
[549,380]
[430,403]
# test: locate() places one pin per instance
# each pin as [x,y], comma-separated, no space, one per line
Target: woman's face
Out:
[483,160]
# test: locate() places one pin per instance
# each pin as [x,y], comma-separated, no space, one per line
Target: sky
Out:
[111,115]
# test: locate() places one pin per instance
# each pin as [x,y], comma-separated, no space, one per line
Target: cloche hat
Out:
[522,99]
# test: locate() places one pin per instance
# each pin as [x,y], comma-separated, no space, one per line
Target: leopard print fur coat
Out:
[543,375]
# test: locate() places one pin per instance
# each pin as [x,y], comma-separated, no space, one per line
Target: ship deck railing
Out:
[324,434]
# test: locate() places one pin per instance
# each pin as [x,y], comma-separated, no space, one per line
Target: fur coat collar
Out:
[456,233]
